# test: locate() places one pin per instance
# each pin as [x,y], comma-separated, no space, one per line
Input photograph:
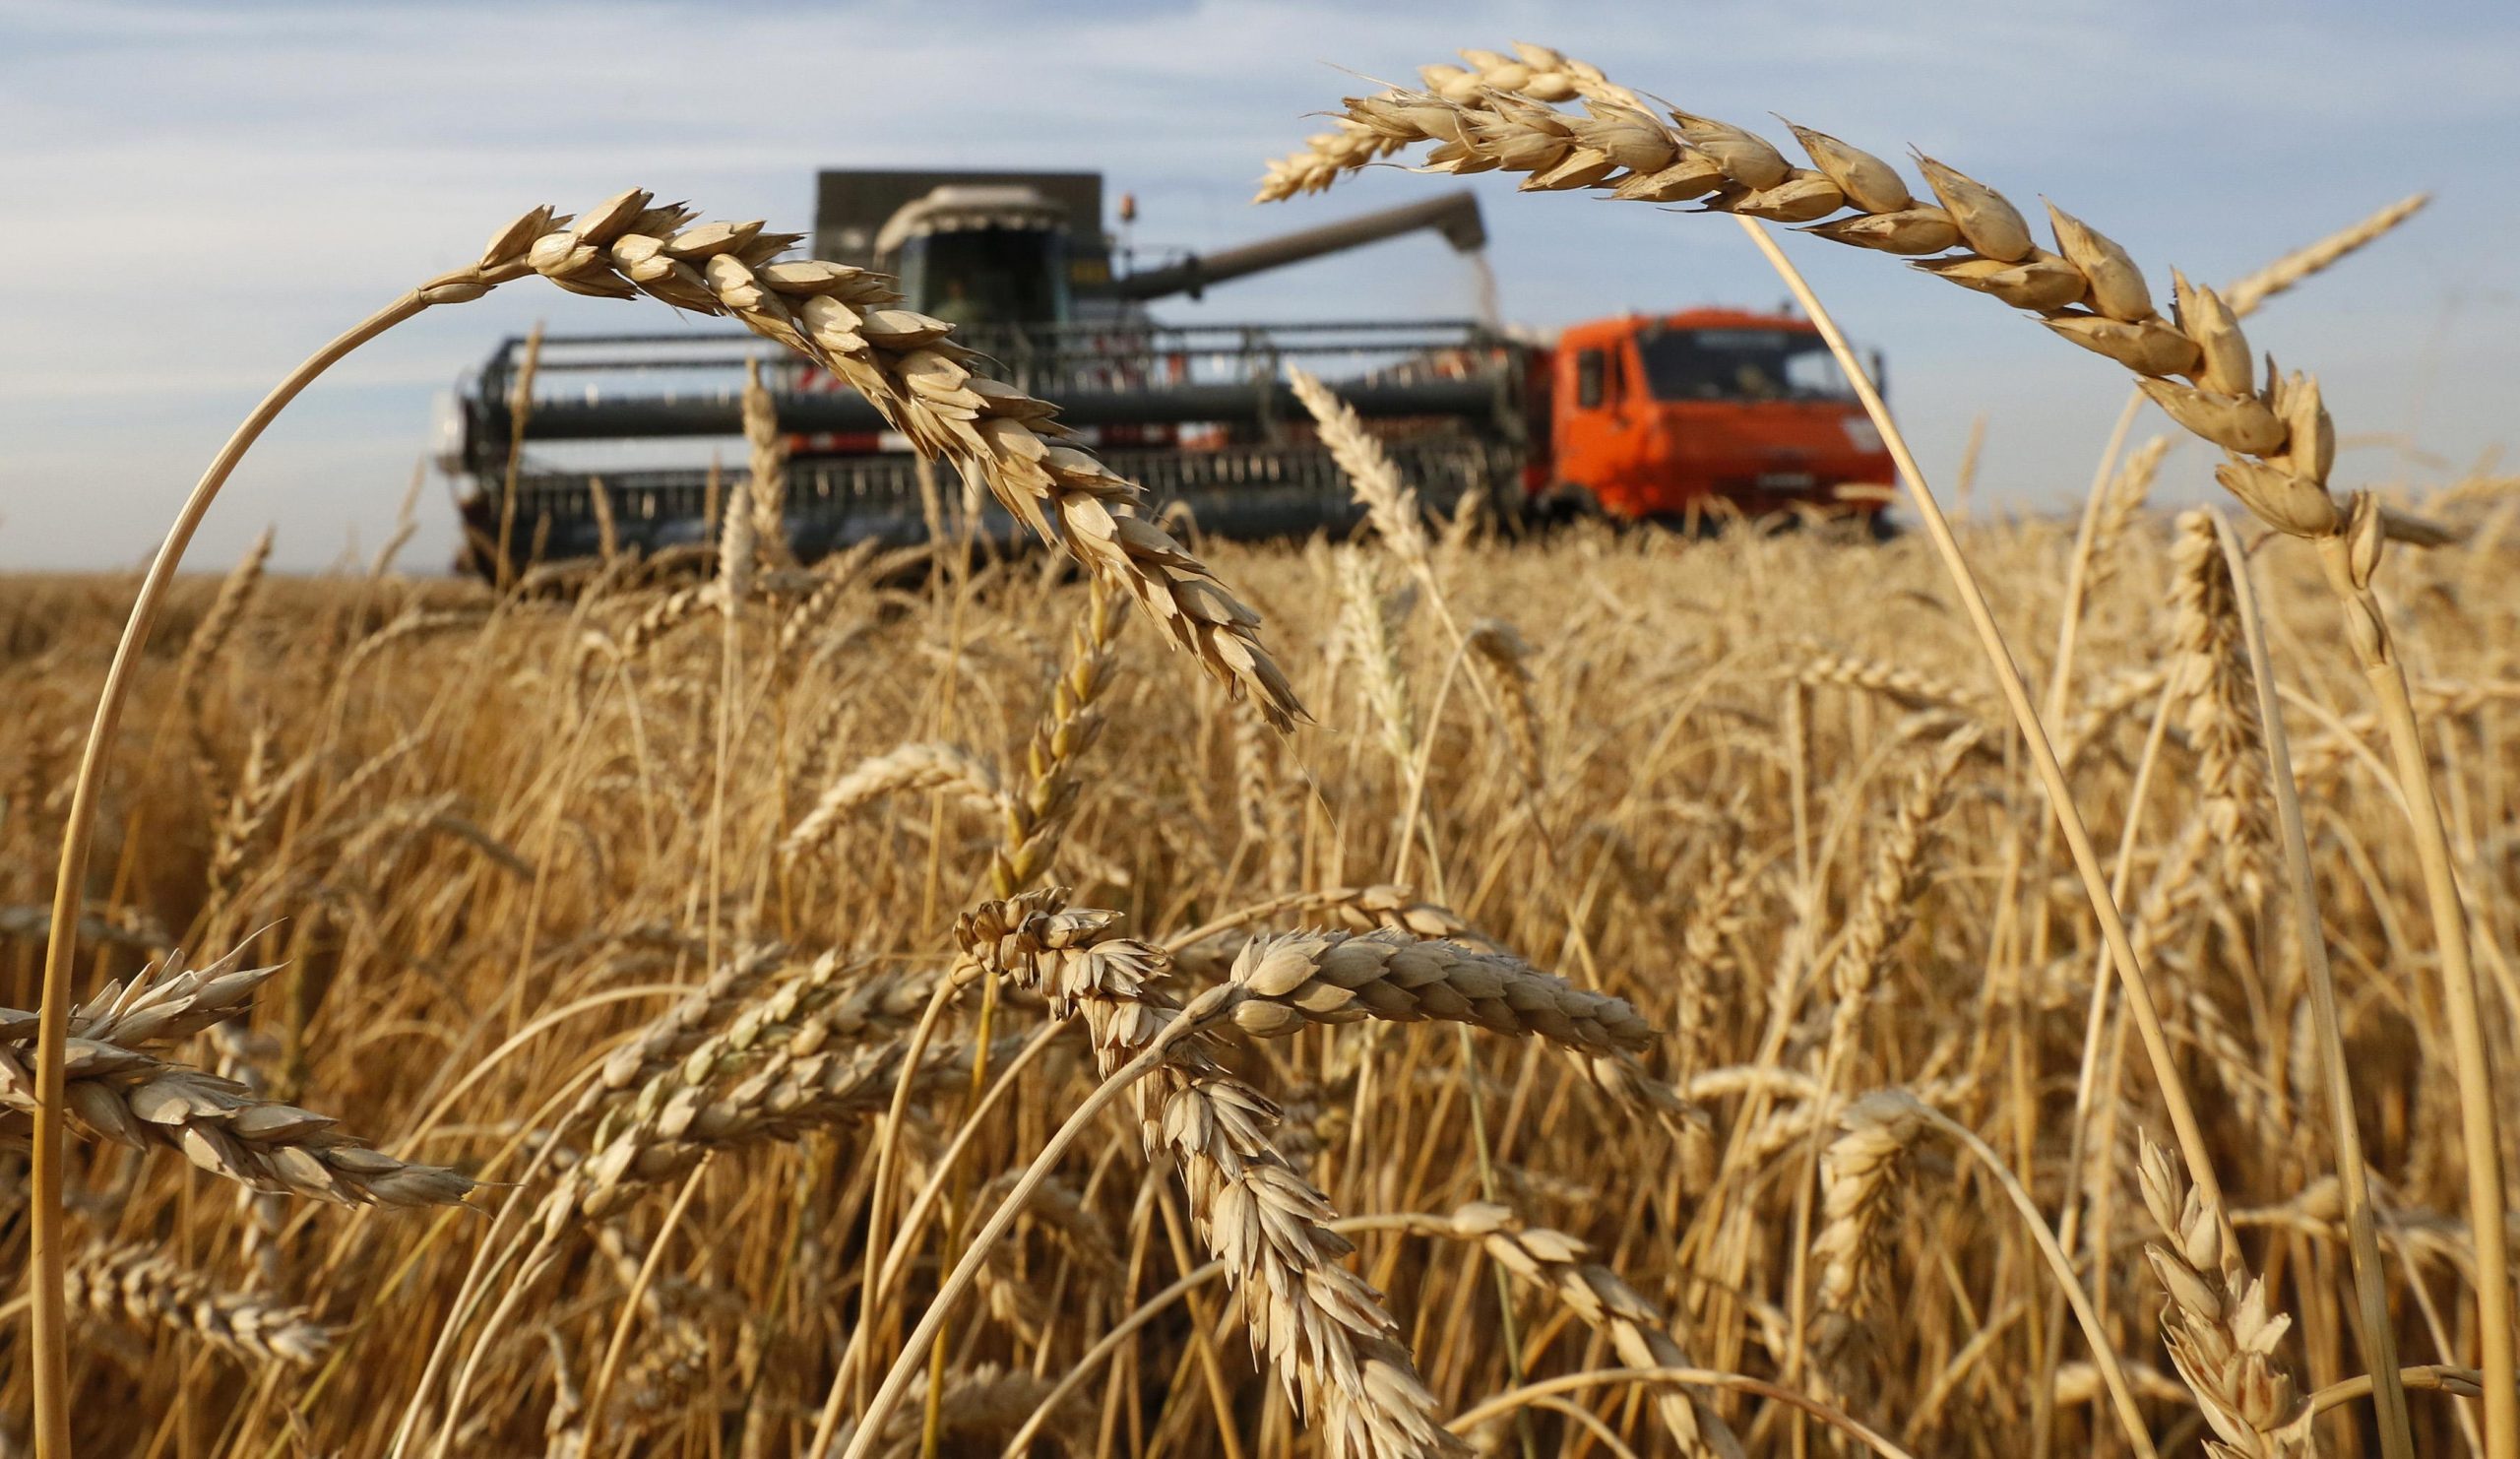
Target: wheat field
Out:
[1615,993]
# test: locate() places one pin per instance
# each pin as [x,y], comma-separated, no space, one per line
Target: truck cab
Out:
[1663,417]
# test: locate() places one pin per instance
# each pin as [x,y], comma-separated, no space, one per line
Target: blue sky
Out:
[202,193]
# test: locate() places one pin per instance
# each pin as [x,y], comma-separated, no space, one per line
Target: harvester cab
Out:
[980,256]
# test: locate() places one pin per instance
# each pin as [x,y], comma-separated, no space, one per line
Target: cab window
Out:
[1588,379]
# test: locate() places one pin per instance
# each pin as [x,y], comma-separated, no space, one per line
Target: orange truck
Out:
[1679,416]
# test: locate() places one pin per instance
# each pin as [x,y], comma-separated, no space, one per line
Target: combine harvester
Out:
[1637,417]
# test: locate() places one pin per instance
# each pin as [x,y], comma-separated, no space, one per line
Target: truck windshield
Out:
[1738,364]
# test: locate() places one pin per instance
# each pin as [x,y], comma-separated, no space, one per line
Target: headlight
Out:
[1862,433]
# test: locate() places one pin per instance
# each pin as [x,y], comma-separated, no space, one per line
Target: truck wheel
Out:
[1561,505]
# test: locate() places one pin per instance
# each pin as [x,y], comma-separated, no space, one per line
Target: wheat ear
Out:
[1886,907]
[117,1089]
[2220,708]
[1638,1330]
[838,317]
[146,1289]
[2220,1324]
[907,769]
[768,477]
[1069,724]
[1862,1174]
[1322,1328]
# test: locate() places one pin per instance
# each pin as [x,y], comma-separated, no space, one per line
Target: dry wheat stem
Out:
[50,1374]
[2375,1330]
